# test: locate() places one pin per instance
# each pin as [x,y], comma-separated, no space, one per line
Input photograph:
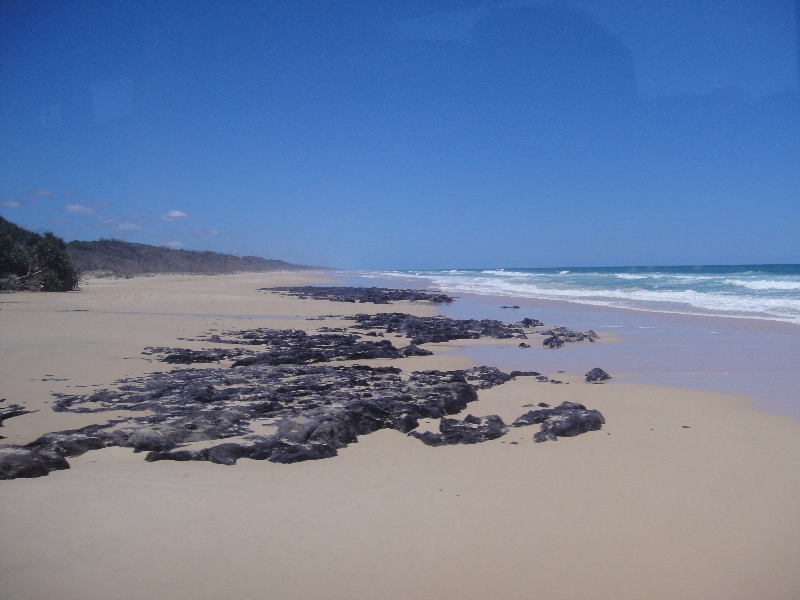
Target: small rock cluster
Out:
[568,419]
[423,330]
[362,295]
[558,336]
[287,347]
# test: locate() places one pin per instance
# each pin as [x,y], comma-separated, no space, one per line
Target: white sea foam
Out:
[775,299]
[765,284]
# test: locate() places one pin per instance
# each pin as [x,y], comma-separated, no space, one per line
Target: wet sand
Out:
[682,494]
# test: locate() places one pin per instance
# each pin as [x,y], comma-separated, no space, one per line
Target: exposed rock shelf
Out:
[314,410]
[374,295]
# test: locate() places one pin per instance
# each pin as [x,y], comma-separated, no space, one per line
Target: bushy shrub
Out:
[13,258]
[30,261]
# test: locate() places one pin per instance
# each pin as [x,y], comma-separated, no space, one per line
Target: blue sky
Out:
[408,134]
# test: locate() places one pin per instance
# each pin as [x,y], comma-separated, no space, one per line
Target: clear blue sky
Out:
[408,134]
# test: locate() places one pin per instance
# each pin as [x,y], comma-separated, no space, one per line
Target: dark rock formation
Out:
[18,461]
[531,323]
[515,306]
[524,345]
[568,419]
[424,330]
[316,410]
[12,410]
[558,336]
[287,347]
[470,430]
[524,374]
[597,375]
[372,295]
[184,356]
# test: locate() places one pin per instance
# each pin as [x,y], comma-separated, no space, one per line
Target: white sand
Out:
[642,509]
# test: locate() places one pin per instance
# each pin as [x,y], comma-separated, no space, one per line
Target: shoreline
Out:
[682,493]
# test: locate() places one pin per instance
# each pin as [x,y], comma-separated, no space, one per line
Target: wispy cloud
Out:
[173,215]
[206,233]
[40,192]
[128,227]
[11,204]
[106,220]
[78,209]
[174,245]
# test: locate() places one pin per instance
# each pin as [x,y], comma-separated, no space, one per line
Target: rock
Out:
[558,336]
[553,342]
[185,356]
[597,375]
[12,410]
[470,430]
[524,374]
[424,330]
[72,442]
[318,409]
[19,461]
[362,295]
[515,306]
[412,350]
[524,345]
[568,419]
[531,323]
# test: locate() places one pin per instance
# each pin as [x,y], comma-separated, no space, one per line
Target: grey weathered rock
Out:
[568,419]
[470,430]
[597,375]
[423,330]
[558,336]
[317,409]
[372,295]
[18,461]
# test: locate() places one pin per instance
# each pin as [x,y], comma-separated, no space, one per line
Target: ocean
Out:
[770,292]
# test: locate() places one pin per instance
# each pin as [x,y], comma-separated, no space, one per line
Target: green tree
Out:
[52,266]
[13,258]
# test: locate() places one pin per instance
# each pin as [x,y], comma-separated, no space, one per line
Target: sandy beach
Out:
[682,493]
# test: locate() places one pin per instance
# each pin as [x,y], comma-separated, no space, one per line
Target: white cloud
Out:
[128,227]
[173,215]
[206,233]
[11,204]
[78,209]
[174,245]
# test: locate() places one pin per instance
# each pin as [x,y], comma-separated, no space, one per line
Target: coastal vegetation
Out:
[34,262]
[29,261]
[126,259]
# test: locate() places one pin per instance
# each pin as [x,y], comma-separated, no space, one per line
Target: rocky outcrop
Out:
[286,347]
[424,330]
[597,375]
[568,419]
[558,336]
[470,430]
[19,461]
[185,356]
[362,295]
[10,411]
[315,409]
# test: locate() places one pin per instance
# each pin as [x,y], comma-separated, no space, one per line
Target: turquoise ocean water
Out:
[749,291]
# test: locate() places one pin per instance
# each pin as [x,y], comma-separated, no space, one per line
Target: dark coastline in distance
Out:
[126,259]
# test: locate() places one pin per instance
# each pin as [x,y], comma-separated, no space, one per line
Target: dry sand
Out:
[644,508]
